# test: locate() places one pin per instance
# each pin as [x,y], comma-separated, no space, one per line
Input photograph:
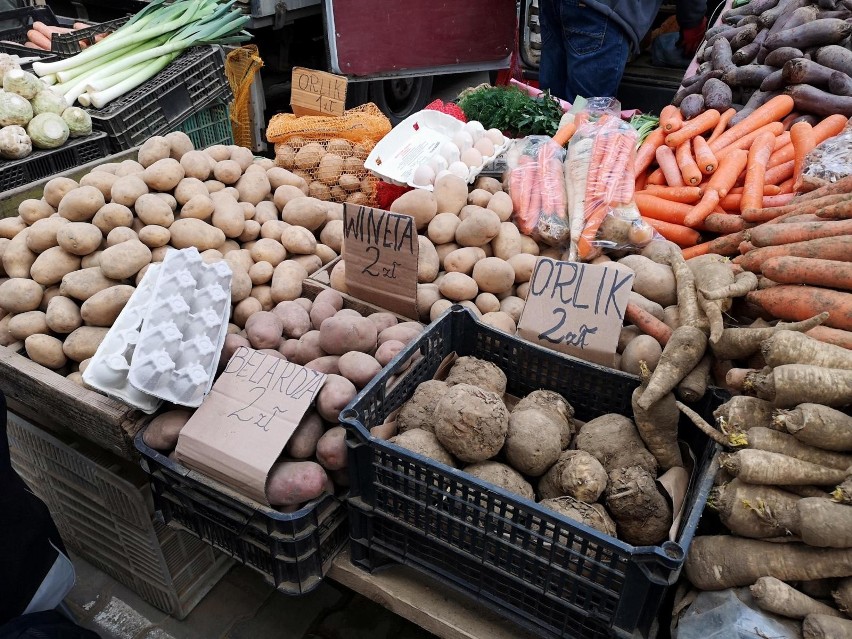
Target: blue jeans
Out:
[583,52]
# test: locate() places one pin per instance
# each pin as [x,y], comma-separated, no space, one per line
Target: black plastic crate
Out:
[187,86]
[42,164]
[66,45]
[26,52]
[549,573]
[15,23]
[292,550]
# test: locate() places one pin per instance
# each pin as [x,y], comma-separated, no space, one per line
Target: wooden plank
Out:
[317,93]
[47,397]
[425,601]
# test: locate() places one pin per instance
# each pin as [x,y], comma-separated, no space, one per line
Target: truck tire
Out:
[396,97]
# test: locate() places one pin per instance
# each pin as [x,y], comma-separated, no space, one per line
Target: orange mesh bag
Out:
[329,152]
[241,65]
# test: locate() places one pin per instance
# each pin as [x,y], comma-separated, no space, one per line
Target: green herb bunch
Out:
[512,111]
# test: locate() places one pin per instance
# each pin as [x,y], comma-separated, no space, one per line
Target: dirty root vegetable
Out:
[816,425]
[773,595]
[754,510]
[642,514]
[762,467]
[657,425]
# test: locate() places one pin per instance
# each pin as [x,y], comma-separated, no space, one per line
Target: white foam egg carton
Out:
[183,330]
[426,138]
[110,366]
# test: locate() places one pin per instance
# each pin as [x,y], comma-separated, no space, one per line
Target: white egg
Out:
[439,163]
[484,146]
[472,157]
[450,152]
[463,140]
[424,175]
[475,129]
[460,169]
[495,136]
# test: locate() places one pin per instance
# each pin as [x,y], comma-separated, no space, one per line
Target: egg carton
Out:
[184,329]
[110,366]
[427,138]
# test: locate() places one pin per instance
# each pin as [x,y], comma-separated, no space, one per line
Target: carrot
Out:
[647,323]
[39,39]
[834,336]
[838,211]
[671,118]
[745,142]
[730,168]
[775,234]
[803,141]
[704,157]
[797,205]
[684,194]
[48,30]
[744,248]
[724,120]
[694,251]
[709,201]
[661,209]
[781,141]
[778,200]
[829,127]
[723,223]
[723,245]
[696,126]
[641,181]
[843,185]
[781,155]
[837,248]
[689,170]
[772,111]
[780,173]
[645,155]
[798,302]
[758,157]
[677,233]
[668,164]
[682,353]
[804,270]
[816,425]
[656,177]
[565,133]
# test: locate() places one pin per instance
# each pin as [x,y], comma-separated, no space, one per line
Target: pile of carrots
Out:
[40,35]
[698,176]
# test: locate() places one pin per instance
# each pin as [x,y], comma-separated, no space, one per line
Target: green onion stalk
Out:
[644,124]
[141,48]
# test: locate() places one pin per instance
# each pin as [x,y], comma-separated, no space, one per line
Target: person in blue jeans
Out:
[585,45]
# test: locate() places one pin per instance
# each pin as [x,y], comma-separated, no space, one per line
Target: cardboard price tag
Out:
[576,308]
[241,427]
[380,250]
[317,92]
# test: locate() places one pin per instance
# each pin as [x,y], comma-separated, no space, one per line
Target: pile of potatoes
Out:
[324,336]
[599,473]
[70,261]
[333,169]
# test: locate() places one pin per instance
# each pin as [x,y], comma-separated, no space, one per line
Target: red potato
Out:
[358,368]
[331,449]
[163,431]
[292,483]
[326,364]
[303,442]
[334,395]
[264,329]
[339,335]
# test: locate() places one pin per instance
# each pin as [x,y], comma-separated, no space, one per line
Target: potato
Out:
[335,394]
[188,188]
[427,294]
[490,184]
[261,272]
[382,320]
[63,315]
[513,307]
[478,229]
[79,238]
[501,204]
[83,342]
[338,277]
[458,287]
[268,250]
[523,264]
[111,216]
[339,335]
[82,284]
[227,214]
[299,241]
[307,349]
[241,155]
[241,283]
[292,483]
[503,476]
[279,177]
[245,309]
[56,189]
[163,431]
[428,263]
[129,167]
[285,156]
[254,186]
[309,156]
[326,364]
[307,212]
[227,172]
[154,236]
[642,348]
[419,411]
[330,297]
[331,449]
[125,260]
[287,281]
[32,210]
[240,258]
[487,303]
[45,350]
[218,152]
[450,194]
[471,423]
[303,442]
[191,232]
[263,294]
[11,226]
[358,368]
[22,325]
[120,234]
[403,332]
[6,338]
[507,244]
[419,204]
[479,197]
[332,235]
[463,260]
[214,186]
[529,246]
[196,165]
[102,308]
[320,312]
[339,146]
[654,281]
[42,234]
[179,144]
[264,212]
[264,330]
[330,169]
[325,253]
[152,150]
[387,351]
[52,265]
[232,342]
[295,320]
[126,190]
[493,275]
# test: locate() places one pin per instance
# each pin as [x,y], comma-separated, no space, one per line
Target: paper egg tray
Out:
[108,370]
[184,329]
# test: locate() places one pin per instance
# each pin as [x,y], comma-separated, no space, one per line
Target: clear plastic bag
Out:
[600,184]
[537,187]
[731,614]
[829,161]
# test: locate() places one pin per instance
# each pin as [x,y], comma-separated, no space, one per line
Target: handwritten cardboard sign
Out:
[241,427]
[380,250]
[317,92]
[576,308]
